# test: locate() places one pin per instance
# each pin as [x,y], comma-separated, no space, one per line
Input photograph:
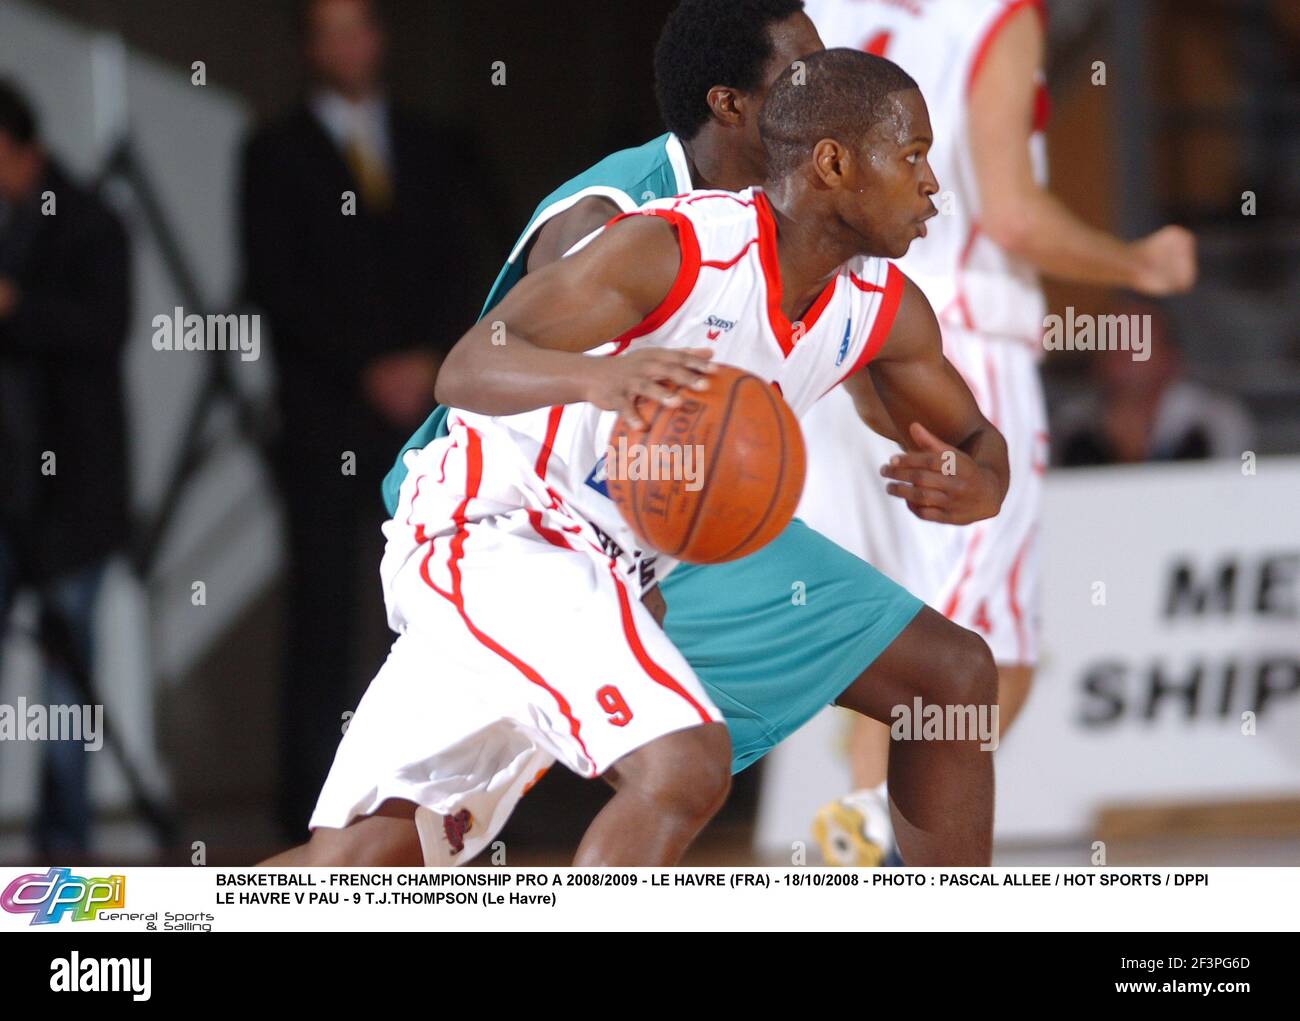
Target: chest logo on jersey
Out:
[717,327]
[599,478]
[844,344]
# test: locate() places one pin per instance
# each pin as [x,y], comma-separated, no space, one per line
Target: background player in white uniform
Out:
[979,64]
[522,639]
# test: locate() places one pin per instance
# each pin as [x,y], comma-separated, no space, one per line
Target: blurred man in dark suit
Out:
[64,301]
[352,247]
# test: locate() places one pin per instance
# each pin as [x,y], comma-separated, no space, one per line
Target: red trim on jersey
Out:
[1010,11]
[690,198]
[1013,604]
[862,285]
[767,258]
[950,609]
[474,475]
[816,309]
[884,322]
[1041,443]
[782,328]
[420,536]
[719,264]
[416,495]
[547,533]
[954,600]
[656,673]
[1042,108]
[688,272]
[548,444]
[990,372]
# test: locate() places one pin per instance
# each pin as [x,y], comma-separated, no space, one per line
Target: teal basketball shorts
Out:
[779,634]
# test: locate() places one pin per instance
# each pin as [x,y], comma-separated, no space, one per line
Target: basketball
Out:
[716,477]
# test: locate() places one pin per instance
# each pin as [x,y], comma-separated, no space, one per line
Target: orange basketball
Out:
[714,478]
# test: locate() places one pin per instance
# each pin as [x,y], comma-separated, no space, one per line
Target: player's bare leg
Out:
[856,829]
[388,837]
[941,792]
[1014,683]
[665,794]
[869,740]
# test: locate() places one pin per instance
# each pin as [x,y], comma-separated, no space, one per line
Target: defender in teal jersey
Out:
[769,660]
[616,184]
[776,636]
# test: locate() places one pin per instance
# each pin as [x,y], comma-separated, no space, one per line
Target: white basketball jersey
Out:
[971,282]
[727,296]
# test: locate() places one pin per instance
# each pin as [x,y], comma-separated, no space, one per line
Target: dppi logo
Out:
[47,898]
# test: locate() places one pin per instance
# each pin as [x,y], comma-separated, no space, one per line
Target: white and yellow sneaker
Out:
[855,830]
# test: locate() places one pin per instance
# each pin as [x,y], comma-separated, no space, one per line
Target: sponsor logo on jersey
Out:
[844,344]
[717,327]
[599,477]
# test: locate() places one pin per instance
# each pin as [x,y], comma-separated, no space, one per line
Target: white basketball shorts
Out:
[518,644]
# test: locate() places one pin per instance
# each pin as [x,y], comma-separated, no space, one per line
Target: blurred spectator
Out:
[357,294]
[64,300]
[1148,410]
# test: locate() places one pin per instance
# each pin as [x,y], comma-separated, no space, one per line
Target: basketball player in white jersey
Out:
[515,585]
[979,64]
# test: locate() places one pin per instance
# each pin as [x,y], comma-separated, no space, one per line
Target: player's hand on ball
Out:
[654,374]
[941,483]
[1166,262]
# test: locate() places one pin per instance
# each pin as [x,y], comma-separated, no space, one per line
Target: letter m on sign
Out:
[1189,596]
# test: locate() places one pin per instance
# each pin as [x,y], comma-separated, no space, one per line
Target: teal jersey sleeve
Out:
[629,179]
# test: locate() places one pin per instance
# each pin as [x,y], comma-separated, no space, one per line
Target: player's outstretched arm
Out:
[528,352]
[1032,223]
[954,467]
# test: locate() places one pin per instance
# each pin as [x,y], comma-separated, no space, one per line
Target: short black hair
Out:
[16,117]
[838,94]
[712,42]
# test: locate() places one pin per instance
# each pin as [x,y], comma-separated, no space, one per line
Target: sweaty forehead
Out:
[904,119]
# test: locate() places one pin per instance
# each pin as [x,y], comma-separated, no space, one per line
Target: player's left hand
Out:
[941,483]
